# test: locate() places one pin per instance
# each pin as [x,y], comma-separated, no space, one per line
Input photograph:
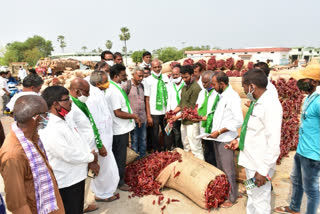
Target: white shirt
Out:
[117,101]
[83,125]
[200,101]
[272,89]
[172,95]
[3,85]
[67,153]
[228,115]
[150,90]
[200,83]
[22,74]
[144,64]
[13,100]
[262,141]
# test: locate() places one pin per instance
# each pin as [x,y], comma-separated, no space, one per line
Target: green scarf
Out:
[124,94]
[202,111]
[211,114]
[245,126]
[177,92]
[162,94]
[84,108]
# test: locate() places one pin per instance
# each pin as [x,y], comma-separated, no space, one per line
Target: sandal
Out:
[113,198]
[91,208]
[284,210]
[227,204]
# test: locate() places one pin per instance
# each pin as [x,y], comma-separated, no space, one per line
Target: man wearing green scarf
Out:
[259,139]
[155,91]
[223,121]
[205,102]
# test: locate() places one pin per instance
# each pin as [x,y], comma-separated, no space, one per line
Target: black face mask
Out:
[305,86]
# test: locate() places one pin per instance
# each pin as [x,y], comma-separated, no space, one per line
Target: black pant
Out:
[73,198]
[174,139]
[149,138]
[158,120]
[119,149]
[208,152]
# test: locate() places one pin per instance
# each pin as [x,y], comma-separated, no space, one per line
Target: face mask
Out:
[250,95]
[110,62]
[177,80]
[63,112]
[83,98]
[305,86]
[105,86]
[43,123]
[209,89]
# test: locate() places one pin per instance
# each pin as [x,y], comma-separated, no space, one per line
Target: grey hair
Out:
[137,68]
[210,74]
[27,107]
[97,77]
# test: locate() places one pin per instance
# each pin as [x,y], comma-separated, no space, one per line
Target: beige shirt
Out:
[18,179]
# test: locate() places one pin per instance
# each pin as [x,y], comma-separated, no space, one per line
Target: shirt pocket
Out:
[255,122]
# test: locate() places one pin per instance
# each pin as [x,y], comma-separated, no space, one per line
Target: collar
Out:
[116,83]
[318,89]
[263,97]
[156,73]
[225,92]
[148,64]
[132,83]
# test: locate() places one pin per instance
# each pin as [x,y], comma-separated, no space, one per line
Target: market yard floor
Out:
[280,196]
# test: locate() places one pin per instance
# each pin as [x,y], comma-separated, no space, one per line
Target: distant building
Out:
[94,57]
[275,55]
[304,53]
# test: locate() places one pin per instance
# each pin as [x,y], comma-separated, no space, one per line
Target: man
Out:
[197,71]
[222,123]
[4,92]
[189,96]
[98,106]
[118,58]
[81,117]
[22,74]
[205,103]
[123,120]
[265,68]
[146,59]
[174,98]
[155,90]
[69,156]
[306,169]
[259,139]
[29,181]
[135,91]
[107,56]
[31,86]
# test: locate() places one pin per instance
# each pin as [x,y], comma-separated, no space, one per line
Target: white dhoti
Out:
[259,198]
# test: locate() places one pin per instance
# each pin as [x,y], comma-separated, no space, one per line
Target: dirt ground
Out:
[280,196]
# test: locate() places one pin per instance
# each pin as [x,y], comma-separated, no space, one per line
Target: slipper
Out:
[227,204]
[125,187]
[284,210]
[113,198]
[91,208]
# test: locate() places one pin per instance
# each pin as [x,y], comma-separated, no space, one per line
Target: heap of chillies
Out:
[217,191]
[290,98]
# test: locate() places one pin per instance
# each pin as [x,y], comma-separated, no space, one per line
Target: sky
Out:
[161,23]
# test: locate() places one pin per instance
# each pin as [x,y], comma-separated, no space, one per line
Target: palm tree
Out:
[84,48]
[125,36]
[60,39]
[108,45]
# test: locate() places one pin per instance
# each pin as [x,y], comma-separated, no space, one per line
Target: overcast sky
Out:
[160,23]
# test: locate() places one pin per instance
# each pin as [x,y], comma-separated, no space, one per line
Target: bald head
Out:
[156,66]
[27,107]
[78,87]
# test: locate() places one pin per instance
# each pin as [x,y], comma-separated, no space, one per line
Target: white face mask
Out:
[83,98]
[110,62]
[177,80]
[250,95]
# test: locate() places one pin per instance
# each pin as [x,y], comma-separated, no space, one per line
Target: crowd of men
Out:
[66,142]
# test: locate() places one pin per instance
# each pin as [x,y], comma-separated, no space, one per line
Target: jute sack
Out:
[194,177]
[131,156]
[235,82]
